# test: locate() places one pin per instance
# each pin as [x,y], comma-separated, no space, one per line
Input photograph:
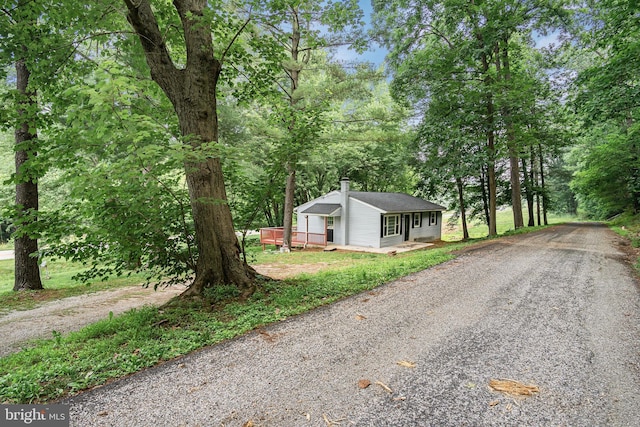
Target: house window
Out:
[417,220]
[433,220]
[329,222]
[391,226]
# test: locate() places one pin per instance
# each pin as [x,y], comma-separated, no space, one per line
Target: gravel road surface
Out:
[559,309]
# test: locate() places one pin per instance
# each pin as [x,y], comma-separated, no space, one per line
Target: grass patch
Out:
[58,283]
[125,344]
[504,225]
[627,225]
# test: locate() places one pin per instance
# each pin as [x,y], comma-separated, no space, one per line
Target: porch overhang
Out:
[323,209]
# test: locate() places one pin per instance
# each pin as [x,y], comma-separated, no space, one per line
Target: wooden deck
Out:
[274,236]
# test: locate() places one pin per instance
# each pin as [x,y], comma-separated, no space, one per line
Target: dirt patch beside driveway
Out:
[284,271]
[19,328]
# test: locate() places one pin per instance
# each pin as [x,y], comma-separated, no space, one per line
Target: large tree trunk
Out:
[502,68]
[491,148]
[528,192]
[27,271]
[192,91]
[463,209]
[291,163]
[543,190]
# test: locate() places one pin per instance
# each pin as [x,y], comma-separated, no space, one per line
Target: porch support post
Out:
[325,230]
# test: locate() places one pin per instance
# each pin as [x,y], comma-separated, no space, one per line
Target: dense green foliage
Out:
[607,100]
[471,108]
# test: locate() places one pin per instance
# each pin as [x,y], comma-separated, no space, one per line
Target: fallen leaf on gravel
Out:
[103,413]
[248,424]
[384,386]
[360,316]
[331,423]
[364,383]
[494,403]
[406,364]
[399,398]
[513,388]
[266,335]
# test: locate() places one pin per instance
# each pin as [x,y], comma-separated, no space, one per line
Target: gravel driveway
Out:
[559,309]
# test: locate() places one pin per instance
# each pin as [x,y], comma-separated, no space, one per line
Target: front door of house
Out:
[407,224]
[330,229]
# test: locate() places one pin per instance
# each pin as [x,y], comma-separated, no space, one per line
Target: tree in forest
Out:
[191,88]
[304,28]
[366,140]
[27,272]
[607,100]
[119,157]
[363,138]
[472,44]
[36,38]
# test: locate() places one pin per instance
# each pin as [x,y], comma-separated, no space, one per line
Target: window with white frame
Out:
[417,220]
[391,226]
[433,220]
[329,222]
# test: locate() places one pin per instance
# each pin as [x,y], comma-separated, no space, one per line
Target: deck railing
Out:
[275,236]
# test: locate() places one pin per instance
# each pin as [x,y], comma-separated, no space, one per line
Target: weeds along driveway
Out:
[19,327]
[558,309]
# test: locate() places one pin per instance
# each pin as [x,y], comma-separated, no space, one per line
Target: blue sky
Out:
[375,54]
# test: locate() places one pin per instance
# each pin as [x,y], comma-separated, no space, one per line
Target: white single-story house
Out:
[368,219]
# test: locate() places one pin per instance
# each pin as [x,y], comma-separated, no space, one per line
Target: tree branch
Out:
[145,24]
[235,37]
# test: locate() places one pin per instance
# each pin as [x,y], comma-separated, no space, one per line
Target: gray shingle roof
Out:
[395,202]
[323,209]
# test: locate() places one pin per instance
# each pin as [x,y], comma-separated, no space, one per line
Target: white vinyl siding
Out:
[430,229]
[316,223]
[364,225]
[367,225]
